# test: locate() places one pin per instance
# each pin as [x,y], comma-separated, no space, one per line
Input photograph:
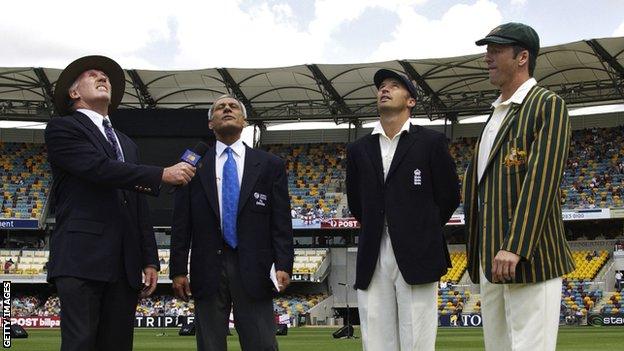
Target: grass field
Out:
[319,339]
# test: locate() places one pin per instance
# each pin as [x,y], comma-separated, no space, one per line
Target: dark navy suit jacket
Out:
[418,197]
[102,219]
[264,226]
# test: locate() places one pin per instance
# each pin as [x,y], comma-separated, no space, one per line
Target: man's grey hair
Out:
[74,86]
[224,96]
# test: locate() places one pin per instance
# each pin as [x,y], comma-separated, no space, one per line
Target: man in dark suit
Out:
[235,215]
[516,245]
[102,241]
[402,187]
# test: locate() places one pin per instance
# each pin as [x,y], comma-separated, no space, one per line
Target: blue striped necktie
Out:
[112,139]
[229,198]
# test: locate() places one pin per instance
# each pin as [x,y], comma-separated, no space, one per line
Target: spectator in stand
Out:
[7,266]
[459,308]
[618,280]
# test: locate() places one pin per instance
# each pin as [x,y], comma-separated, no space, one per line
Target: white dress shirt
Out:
[388,146]
[238,152]
[98,119]
[493,126]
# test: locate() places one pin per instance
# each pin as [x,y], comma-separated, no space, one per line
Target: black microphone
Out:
[191,157]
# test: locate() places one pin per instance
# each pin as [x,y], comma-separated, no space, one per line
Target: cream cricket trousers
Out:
[519,317]
[396,316]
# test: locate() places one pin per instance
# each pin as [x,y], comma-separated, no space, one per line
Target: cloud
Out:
[619,31]
[518,2]
[53,33]
[209,33]
[452,35]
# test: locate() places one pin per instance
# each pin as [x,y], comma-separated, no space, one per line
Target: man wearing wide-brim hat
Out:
[516,245]
[102,242]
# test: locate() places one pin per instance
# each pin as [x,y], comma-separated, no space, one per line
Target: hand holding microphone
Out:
[182,172]
[179,174]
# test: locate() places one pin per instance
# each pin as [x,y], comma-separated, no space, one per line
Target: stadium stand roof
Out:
[586,72]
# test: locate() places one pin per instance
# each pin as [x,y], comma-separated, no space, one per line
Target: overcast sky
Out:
[253,33]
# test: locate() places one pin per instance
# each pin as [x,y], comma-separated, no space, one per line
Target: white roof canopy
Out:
[587,72]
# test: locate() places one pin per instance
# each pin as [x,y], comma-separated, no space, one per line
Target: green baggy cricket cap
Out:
[513,33]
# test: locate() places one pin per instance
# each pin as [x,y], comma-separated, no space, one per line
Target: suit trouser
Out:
[393,314]
[253,319]
[96,315]
[520,316]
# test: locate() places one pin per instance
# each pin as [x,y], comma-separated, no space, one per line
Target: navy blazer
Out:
[102,217]
[264,226]
[418,197]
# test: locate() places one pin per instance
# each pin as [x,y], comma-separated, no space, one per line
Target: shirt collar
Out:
[518,96]
[238,147]
[378,129]
[93,116]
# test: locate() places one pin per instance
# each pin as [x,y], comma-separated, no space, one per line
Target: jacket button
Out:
[125,202]
[381,211]
[219,252]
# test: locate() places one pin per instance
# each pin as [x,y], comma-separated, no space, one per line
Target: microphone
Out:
[191,157]
[195,154]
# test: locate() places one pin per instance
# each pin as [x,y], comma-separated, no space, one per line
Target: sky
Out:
[174,35]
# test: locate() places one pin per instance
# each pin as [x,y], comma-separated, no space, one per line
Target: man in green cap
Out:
[516,245]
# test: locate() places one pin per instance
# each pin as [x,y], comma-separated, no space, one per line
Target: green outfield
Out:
[319,339]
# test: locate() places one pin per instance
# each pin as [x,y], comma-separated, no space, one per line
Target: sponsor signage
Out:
[578,215]
[456,219]
[340,223]
[465,320]
[19,223]
[37,322]
[162,321]
[605,320]
[617,212]
[139,321]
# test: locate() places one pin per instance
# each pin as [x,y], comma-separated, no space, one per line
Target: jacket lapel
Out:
[207,176]
[374,155]
[507,122]
[250,176]
[87,123]
[125,148]
[405,143]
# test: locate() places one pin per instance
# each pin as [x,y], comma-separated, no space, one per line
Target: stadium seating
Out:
[578,297]
[308,261]
[24,306]
[587,265]
[158,305]
[449,299]
[296,304]
[613,306]
[25,180]
[28,262]
[163,256]
[460,263]
[316,175]
[594,176]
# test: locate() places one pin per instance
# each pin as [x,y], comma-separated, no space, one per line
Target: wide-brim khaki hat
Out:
[115,74]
